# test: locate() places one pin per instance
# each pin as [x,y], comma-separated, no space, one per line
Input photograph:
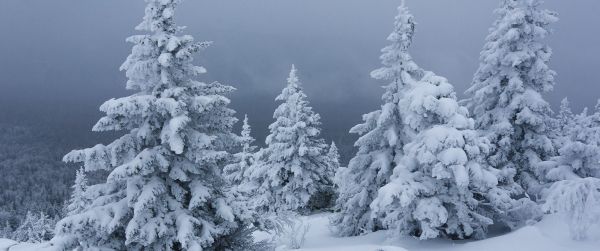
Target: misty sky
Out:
[59,59]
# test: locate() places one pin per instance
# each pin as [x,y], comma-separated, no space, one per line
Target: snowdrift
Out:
[551,234]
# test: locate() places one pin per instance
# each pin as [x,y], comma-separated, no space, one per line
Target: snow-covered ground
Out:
[551,234]
[9,245]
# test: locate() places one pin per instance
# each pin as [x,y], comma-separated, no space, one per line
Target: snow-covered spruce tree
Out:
[442,185]
[334,158]
[78,201]
[34,229]
[564,122]
[234,172]
[382,136]
[575,171]
[293,169]
[42,229]
[165,190]
[23,232]
[506,95]
[577,137]
[430,178]
[327,198]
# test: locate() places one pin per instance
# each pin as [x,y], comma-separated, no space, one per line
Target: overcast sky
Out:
[59,59]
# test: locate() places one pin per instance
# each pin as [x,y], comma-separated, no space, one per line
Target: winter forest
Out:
[496,166]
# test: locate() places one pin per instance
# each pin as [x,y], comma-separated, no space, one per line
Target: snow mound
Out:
[551,234]
[10,245]
[5,244]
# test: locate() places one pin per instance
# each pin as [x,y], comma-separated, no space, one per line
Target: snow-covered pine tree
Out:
[34,228]
[565,118]
[442,185]
[42,229]
[334,159]
[293,168]
[431,179]
[23,232]
[234,172]
[575,171]
[506,95]
[165,190]
[577,137]
[78,201]
[382,136]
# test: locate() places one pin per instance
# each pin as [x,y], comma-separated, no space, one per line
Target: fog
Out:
[59,59]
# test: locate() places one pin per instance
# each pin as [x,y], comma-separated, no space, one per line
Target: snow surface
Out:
[551,234]
[9,245]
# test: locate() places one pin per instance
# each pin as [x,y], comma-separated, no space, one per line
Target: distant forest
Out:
[33,176]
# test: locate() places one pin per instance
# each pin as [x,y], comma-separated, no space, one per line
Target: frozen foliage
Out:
[579,201]
[506,95]
[293,169]
[334,157]
[575,170]
[165,190]
[35,228]
[325,199]
[242,239]
[577,137]
[78,201]
[431,179]
[565,118]
[441,186]
[235,172]
[292,235]
[382,136]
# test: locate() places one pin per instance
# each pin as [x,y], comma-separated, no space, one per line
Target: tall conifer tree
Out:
[293,168]
[382,135]
[78,200]
[421,167]
[506,95]
[165,190]
[234,172]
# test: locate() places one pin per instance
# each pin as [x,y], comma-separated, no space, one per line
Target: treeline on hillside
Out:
[34,179]
[33,176]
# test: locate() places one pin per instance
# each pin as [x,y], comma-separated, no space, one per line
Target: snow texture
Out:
[547,235]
